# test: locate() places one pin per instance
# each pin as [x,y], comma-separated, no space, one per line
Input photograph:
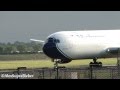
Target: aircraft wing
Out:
[41,41]
[114,50]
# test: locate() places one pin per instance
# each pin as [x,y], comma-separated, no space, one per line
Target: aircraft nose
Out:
[52,51]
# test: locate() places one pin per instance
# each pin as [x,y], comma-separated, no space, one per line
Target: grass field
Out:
[47,63]
[22,57]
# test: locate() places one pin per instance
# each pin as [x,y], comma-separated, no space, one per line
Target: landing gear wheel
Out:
[95,64]
[56,63]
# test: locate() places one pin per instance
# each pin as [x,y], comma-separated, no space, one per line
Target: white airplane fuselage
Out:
[89,44]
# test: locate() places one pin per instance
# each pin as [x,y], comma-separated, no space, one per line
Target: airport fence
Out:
[62,73]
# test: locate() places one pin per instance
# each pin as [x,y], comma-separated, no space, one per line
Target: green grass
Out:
[22,57]
[47,63]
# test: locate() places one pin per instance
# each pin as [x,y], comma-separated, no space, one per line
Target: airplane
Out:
[65,46]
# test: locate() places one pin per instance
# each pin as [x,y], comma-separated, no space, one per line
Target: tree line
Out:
[20,47]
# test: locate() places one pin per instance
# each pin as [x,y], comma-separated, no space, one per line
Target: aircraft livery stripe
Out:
[63,53]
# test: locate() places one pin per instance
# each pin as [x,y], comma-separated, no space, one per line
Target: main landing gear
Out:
[95,63]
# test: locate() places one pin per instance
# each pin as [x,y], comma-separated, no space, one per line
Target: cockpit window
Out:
[53,40]
[50,40]
[57,41]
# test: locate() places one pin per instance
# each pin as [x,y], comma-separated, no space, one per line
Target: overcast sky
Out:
[23,25]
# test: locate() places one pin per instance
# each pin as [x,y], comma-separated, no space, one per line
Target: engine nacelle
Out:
[62,61]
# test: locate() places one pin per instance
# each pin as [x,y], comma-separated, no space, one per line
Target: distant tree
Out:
[14,49]
[1,50]
[17,43]
[37,47]
[9,44]
[8,49]
[30,49]
[21,48]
